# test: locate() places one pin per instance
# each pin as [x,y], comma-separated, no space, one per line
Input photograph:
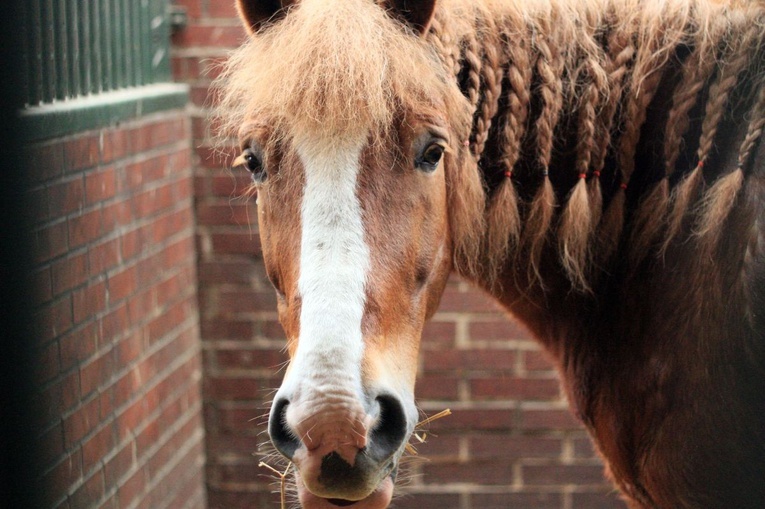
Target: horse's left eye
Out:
[430,157]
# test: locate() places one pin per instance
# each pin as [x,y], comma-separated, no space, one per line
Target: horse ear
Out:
[415,13]
[257,13]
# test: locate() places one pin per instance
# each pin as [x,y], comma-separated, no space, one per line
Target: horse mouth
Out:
[378,499]
[339,502]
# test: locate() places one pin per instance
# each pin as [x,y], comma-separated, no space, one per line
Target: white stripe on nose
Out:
[334,262]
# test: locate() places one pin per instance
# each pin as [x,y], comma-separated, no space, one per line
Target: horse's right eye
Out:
[251,160]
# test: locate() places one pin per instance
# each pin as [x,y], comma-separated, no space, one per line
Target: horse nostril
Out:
[390,432]
[281,436]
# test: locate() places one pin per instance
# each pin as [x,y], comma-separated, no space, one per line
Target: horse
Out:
[596,166]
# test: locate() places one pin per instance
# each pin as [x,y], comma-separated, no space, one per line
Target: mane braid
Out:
[550,64]
[621,54]
[503,218]
[756,126]
[578,220]
[721,197]
[657,42]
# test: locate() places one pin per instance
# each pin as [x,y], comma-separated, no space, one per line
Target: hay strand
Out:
[282,481]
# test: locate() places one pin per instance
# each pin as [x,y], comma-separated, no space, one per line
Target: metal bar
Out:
[48,55]
[61,50]
[95,72]
[34,52]
[127,46]
[107,54]
[117,44]
[73,48]
[86,54]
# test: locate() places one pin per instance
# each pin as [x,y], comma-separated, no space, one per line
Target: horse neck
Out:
[587,142]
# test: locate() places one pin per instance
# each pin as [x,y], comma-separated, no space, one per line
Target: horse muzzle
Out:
[345,452]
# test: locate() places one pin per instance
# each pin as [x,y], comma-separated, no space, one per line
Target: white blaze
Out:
[334,262]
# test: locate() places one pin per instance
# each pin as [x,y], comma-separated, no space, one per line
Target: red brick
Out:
[236,243]
[556,475]
[132,488]
[51,241]
[477,419]
[51,445]
[428,501]
[103,256]
[116,322]
[438,335]
[114,146]
[232,329]
[85,228]
[239,389]
[89,301]
[217,158]
[229,184]
[233,302]
[483,472]
[65,197]
[497,330]
[515,388]
[118,465]
[81,422]
[608,500]
[55,318]
[44,161]
[66,473]
[69,392]
[122,284]
[222,10]
[68,273]
[249,359]
[438,387]
[505,500]
[47,365]
[226,271]
[41,284]
[223,36]
[549,419]
[515,448]
[81,153]
[470,360]
[97,447]
[468,301]
[537,360]
[584,448]
[96,373]
[226,214]
[116,215]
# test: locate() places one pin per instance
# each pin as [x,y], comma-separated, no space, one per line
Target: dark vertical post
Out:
[19,471]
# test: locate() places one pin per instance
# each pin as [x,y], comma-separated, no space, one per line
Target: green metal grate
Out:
[76,48]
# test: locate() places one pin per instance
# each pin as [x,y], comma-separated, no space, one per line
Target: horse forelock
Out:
[332,69]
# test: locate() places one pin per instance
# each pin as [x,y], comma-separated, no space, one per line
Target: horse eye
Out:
[254,164]
[430,157]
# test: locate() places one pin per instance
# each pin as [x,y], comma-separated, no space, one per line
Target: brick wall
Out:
[511,441]
[116,280]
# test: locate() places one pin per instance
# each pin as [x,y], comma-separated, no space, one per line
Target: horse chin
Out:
[379,499]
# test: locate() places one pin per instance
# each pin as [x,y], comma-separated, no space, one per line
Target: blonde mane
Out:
[516,75]
[329,69]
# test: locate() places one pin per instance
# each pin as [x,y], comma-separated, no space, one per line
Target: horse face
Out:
[356,242]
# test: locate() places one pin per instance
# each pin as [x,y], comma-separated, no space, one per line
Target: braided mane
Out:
[562,93]
[593,121]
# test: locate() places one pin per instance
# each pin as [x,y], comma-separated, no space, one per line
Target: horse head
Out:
[354,131]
